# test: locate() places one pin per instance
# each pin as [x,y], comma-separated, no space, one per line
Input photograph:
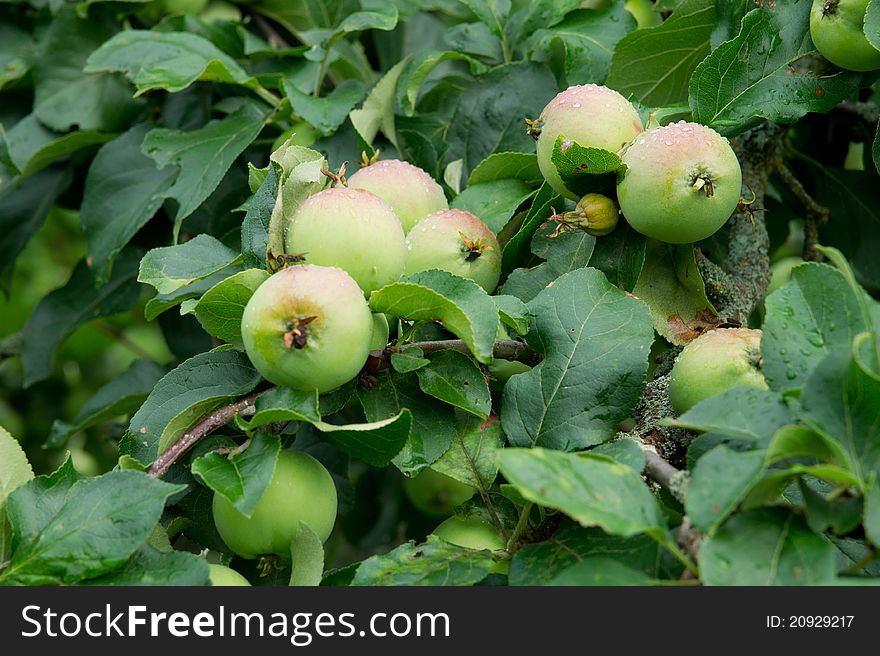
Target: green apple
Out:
[594,116]
[411,192]
[458,242]
[837,28]
[436,494]
[300,490]
[352,229]
[220,575]
[474,532]
[643,12]
[681,184]
[780,272]
[715,362]
[308,327]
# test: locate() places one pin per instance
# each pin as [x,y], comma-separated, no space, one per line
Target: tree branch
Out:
[203,427]
[868,112]
[816,214]
[275,40]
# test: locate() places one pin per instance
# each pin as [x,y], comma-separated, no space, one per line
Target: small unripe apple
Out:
[436,494]
[300,489]
[352,229]
[682,182]
[220,575]
[594,116]
[595,214]
[715,362]
[837,28]
[780,272]
[410,191]
[308,327]
[458,242]
[474,532]
[643,12]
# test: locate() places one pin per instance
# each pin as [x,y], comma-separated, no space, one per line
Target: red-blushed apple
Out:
[410,191]
[458,242]
[352,229]
[682,182]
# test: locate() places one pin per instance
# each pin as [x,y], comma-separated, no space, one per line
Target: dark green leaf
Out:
[456,379]
[720,480]
[493,202]
[595,340]
[329,112]
[743,412]
[171,267]
[220,308]
[151,567]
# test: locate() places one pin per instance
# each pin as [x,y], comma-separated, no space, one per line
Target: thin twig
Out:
[119,336]
[204,426]
[660,471]
[816,214]
[275,40]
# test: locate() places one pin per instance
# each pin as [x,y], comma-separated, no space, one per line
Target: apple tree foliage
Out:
[148,158]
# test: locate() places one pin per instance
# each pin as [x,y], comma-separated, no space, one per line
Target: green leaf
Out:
[588,37]
[561,254]
[171,267]
[162,302]
[515,251]
[513,313]
[243,478]
[625,451]
[166,60]
[420,67]
[23,208]
[814,315]
[489,115]
[585,170]
[255,226]
[432,421]
[304,15]
[203,156]
[301,177]
[436,562]
[493,202]
[198,385]
[593,490]
[377,112]
[767,546]
[492,13]
[671,284]
[459,305]
[151,567]
[59,313]
[410,358]
[15,471]
[757,76]
[96,527]
[620,256]
[456,379]
[872,511]
[840,401]
[64,94]
[595,340]
[472,458]
[602,571]
[655,64]
[329,112]
[872,24]
[841,515]
[719,481]
[794,441]
[121,395]
[32,147]
[375,443]
[743,412]
[307,557]
[507,166]
[125,184]
[220,308]
[538,564]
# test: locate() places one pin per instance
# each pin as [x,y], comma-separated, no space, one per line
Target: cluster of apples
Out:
[309,326]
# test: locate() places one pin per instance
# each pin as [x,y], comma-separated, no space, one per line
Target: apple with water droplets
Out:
[308,327]
[681,183]
[713,363]
[410,191]
[592,115]
[352,229]
[458,242]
